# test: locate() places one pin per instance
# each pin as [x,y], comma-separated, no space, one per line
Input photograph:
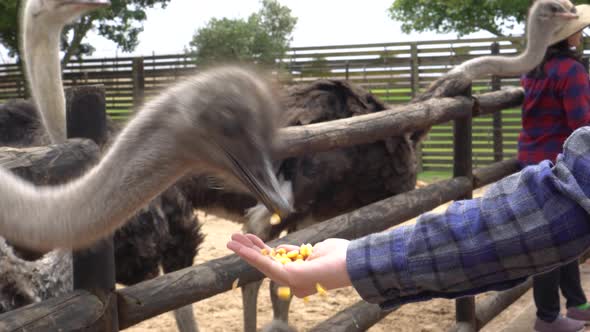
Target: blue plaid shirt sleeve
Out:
[527,223]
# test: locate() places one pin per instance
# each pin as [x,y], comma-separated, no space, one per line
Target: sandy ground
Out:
[224,311]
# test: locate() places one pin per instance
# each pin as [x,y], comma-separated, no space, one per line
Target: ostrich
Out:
[165,233]
[206,124]
[23,282]
[545,18]
[321,184]
[41,55]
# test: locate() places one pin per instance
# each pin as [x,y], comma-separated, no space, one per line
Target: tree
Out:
[461,16]
[121,22]
[261,38]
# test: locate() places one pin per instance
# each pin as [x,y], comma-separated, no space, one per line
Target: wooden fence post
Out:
[94,268]
[415,69]
[462,166]
[415,87]
[497,116]
[347,69]
[138,77]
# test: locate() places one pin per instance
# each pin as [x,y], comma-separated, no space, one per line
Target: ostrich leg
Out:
[280,307]
[249,302]
[259,226]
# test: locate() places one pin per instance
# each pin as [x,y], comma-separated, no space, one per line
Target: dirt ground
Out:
[224,311]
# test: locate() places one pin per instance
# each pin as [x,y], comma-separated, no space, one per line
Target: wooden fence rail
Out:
[150,298]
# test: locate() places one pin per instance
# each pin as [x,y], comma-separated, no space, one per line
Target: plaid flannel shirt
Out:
[527,223]
[553,107]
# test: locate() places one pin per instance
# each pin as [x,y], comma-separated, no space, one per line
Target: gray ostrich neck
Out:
[537,42]
[43,70]
[142,162]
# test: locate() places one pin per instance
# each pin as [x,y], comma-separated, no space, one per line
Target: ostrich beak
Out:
[271,196]
[567,15]
[263,184]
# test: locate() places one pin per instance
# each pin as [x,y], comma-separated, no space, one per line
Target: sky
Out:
[320,22]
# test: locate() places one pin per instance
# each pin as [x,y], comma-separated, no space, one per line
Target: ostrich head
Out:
[238,115]
[553,12]
[57,12]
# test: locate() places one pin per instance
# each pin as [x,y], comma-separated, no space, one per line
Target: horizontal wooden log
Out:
[356,318]
[490,174]
[396,121]
[372,127]
[490,307]
[150,298]
[75,311]
[496,101]
[50,164]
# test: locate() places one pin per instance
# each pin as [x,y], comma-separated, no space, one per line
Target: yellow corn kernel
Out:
[299,257]
[321,290]
[281,251]
[264,251]
[293,254]
[284,293]
[272,252]
[275,219]
[299,261]
[306,300]
[305,250]
[284,260]
[234,284]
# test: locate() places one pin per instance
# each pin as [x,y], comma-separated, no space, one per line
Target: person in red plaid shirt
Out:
[556,102]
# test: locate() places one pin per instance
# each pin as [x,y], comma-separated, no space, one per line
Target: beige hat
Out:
[574,25]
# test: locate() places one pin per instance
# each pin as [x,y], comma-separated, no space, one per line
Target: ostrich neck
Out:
[538,37]
[143,162]
[43,70]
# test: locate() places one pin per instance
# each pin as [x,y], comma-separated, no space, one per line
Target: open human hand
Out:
[326,265]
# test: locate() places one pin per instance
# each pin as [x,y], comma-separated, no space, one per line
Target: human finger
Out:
[243,239]
[257,241]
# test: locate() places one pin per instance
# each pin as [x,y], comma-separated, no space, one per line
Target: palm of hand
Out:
[326,266]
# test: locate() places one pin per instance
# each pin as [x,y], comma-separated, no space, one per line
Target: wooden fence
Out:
[97,306]
[394,72]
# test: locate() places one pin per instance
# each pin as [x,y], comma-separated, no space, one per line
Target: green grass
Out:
[434,176]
